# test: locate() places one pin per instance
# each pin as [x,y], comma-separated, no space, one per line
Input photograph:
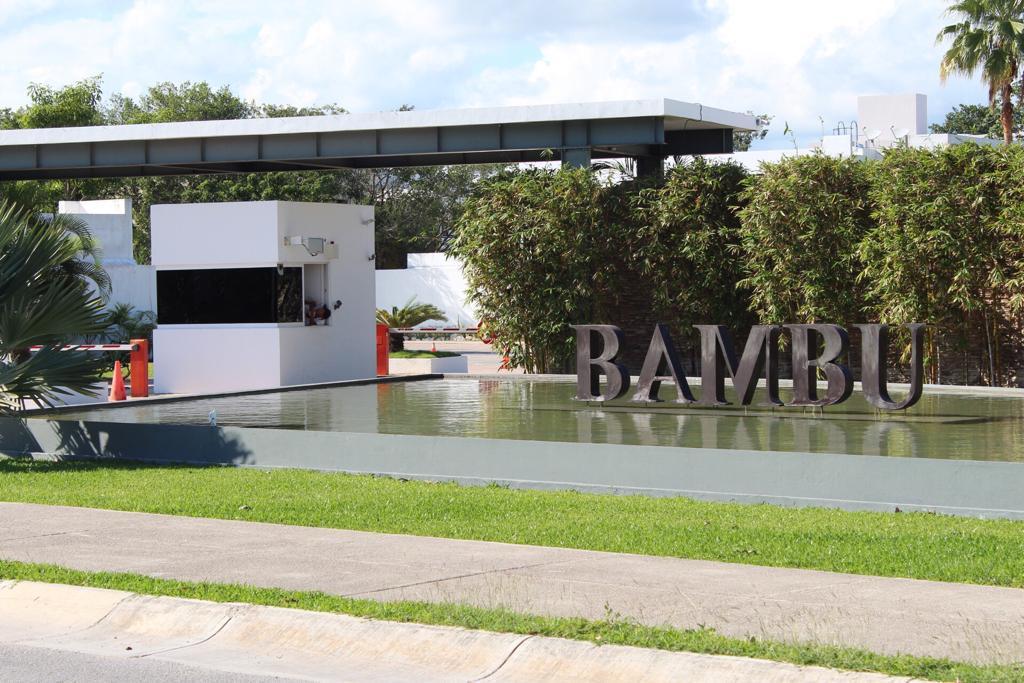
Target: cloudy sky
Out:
[803,61]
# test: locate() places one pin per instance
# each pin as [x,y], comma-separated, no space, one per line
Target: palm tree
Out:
[988,36]
[43,302]
[86,262]
[29,198]
[125,323]
[409,315]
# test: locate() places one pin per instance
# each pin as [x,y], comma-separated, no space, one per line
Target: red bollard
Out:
[383,349]
[138,368]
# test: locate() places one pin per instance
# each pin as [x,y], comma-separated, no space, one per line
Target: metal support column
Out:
[576,157]
[649,167]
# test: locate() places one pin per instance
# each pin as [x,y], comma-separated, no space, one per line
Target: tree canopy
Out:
[977,119]
[988,37]
[416,207]
[77,104]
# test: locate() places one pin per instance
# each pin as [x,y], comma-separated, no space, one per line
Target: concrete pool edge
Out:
[177,398]
[851,482]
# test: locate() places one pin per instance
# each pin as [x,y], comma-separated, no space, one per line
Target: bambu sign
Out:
[718,357]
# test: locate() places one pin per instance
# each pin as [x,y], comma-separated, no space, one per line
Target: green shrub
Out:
[533,243]
[920,236]
[685,244]
[937,251]
[800,226]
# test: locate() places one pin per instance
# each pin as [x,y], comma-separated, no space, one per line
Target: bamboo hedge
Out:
[933,236]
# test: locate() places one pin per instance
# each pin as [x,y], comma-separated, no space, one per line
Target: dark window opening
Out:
[229,295]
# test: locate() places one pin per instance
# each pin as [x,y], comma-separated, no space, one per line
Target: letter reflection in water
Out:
[589,367]
[875,341]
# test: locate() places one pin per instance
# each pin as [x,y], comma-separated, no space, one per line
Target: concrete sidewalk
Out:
[962,622]
[127,629]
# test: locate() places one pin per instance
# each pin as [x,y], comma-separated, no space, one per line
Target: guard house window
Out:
[229,295]
[318,307]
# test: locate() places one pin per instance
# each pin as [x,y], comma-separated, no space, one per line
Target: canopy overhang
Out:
[572,133]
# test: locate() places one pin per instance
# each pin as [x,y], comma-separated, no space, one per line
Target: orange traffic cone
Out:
[117,385]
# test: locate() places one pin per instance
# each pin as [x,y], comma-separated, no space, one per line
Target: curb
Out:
[252,639]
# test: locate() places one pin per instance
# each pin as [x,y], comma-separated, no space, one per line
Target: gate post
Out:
[138,368]
[383,347]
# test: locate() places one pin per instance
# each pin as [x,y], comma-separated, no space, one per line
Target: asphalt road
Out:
[40,665]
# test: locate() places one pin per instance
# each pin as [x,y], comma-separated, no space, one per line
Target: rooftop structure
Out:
[883,121]
[647,130]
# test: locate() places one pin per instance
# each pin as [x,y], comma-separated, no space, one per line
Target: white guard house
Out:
[258,295]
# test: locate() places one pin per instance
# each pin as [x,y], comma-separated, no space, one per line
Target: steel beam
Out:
[308,144]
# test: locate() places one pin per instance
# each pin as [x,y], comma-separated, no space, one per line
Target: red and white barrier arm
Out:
[433,330]
[138,362]
[93,347]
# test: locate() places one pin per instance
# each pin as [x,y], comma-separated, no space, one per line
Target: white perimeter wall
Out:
[431,278]
[110,221]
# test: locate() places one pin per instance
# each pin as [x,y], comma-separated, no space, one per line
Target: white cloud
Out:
[436,57]
[796,59]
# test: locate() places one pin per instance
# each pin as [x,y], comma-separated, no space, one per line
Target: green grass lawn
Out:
[612,631]
[914,545]
[421,354]
[109,374]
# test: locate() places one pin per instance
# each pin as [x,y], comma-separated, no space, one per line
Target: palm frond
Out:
[410,315]
[44,303]
[988,38]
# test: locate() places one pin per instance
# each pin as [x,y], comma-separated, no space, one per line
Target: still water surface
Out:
[939,426]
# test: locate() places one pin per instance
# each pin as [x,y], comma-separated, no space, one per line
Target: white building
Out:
[236,285]
[883,121]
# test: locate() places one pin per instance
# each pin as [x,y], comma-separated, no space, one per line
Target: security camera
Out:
[313,245]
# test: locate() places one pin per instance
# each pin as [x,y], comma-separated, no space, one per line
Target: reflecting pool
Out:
[941,425]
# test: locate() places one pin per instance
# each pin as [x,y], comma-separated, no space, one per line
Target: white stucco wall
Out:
[110,221]
[225,357]
[345,349]
[207,358]
[218,234]
[433,279]
[135,285]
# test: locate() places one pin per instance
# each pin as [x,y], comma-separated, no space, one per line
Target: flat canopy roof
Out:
[574,133]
